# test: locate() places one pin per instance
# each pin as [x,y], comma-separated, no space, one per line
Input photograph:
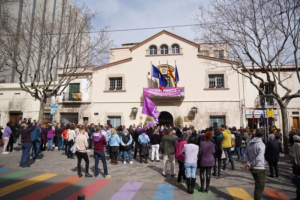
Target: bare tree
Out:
[263,37]
[50,39]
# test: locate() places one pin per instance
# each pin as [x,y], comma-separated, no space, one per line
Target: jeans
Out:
[49,145]
[190,169]
[181,171]
[35,149]
[120,153]
[155,148]
[66,146]
[62,143]
[260,179]
[101,155]
[85,157]
[240,152]
[25,154]
[228,151]
[125,154]
[58,143]
[217,162]
[70,144]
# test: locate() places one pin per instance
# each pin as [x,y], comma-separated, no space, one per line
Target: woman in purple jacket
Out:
[207,161]
[50,137]
[179,156]
[6,135]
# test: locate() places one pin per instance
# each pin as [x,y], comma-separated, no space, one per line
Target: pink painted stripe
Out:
[128,191]
[91,189]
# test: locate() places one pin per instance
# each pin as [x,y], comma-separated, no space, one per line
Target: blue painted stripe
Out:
[164,192]
[3,170]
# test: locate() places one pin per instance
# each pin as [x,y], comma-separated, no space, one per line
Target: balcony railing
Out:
[15,105]
[72,97]
[266,101]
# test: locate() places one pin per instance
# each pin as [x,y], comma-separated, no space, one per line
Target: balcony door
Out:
[73,88]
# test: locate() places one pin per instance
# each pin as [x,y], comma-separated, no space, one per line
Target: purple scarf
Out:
[97,136]
[139,128]
[143,134]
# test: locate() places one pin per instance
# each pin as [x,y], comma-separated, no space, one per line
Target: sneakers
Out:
[180,183]
[88,175]
[97,177]
[5,152]
[131,162]
[107,176]
[124,162]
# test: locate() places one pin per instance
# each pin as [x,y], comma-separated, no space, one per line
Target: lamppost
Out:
[134,111]
[194,110]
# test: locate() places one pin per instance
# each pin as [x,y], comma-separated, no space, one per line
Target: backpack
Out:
[232,142]
[125,139]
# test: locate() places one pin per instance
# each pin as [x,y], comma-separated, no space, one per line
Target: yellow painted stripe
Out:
[17,186]
[239,193]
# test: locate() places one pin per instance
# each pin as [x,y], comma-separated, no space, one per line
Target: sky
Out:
[130,14]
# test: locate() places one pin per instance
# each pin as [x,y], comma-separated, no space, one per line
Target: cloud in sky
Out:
[129,14]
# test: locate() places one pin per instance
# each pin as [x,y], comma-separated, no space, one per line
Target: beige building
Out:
[206,83]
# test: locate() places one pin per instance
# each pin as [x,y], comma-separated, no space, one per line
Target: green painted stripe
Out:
[203,196]
[14,175]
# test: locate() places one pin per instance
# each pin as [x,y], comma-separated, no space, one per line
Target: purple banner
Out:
[168,92]
[150,123]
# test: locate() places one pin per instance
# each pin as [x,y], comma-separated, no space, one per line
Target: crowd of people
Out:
[210,150]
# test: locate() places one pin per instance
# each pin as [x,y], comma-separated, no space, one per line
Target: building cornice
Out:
[167,33]
[218,59]
[113,64]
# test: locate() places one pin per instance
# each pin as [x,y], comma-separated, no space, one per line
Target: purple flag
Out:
[150,109]
[262,119]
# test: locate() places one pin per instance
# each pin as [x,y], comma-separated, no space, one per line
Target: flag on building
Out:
[176,75]
[150,109]
[253,118]
[163,82]
[262,119]
[170,74]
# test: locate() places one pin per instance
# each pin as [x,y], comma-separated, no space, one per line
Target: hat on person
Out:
[271,137]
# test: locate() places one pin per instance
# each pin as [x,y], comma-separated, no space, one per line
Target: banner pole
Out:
[151,72]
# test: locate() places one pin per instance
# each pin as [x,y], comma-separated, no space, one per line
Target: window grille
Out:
[219,54]
[164,49]
[216,81]
[175,49]
[115,84]
[153,50]
[220,120]
[115,121]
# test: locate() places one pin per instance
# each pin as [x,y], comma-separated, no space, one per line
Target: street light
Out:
[134,110]
[194,110]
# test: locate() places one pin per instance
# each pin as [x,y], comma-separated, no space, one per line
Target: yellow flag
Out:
[76,96]
[271,113]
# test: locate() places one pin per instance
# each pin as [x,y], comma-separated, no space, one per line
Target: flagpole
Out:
[151,72]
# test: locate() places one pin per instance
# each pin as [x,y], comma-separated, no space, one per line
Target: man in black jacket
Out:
[91,132]
[238,145]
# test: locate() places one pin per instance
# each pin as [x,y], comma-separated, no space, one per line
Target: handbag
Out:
[73,148]
[223,155]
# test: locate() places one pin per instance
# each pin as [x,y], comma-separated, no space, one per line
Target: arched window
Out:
[175,49]
[164,49]
[153,50]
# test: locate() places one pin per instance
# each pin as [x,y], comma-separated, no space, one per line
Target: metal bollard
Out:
[81,197]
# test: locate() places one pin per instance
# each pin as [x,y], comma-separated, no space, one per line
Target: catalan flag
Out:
[170,74]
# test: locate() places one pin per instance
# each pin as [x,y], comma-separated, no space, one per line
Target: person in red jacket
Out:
[99,152]
[179,156]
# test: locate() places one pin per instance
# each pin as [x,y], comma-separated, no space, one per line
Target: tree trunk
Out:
[285,131]
[41,112]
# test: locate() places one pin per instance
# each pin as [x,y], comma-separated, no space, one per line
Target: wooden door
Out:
[15,117]
[296,122]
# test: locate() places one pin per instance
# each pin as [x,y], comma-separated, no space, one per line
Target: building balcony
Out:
[167,93]
[268,102]
[73,98]
[15,105]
